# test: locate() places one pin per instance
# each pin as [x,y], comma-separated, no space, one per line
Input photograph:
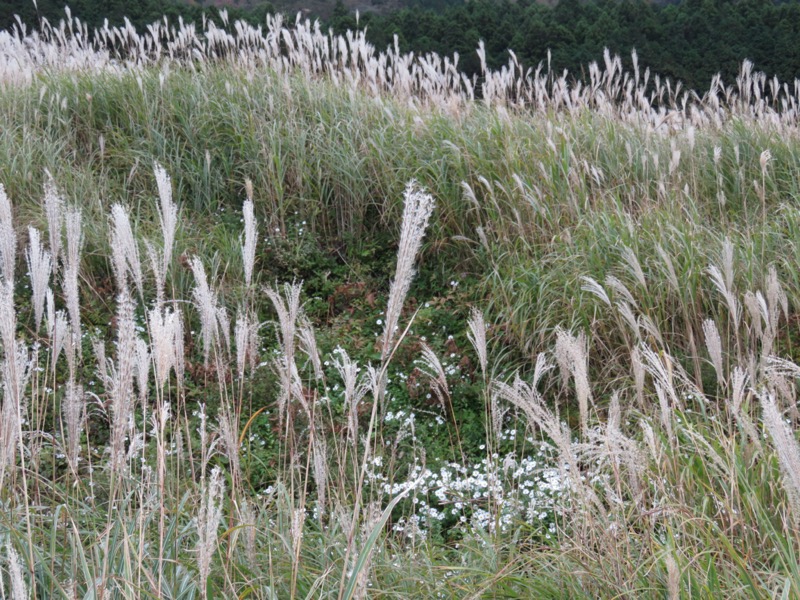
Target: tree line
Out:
[690,40]
[139,12]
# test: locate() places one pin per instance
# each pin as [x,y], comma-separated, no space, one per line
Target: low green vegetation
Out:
[282,321]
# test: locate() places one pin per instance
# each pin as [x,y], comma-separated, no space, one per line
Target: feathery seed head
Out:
[39,268]
[168,213]
[8,238]
[477,337]
[249,245]
[416,213]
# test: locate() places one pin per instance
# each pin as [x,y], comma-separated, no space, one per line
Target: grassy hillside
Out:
[292,319]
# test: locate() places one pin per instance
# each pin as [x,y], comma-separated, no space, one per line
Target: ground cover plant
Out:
[283,316]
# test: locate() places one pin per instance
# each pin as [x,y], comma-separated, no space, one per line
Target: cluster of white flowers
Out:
[498,491]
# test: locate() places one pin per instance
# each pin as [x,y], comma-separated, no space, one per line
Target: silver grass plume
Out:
[298,519]
[665,410]
[73,410]
[623,450]
[651,442]
[660,366]
[229,434]
[19,591]
[572,354]
[672,276]
[54,210]
[289,310]
[166,327]
[776,303]
[784,390]
[50,306]
[621,289]
[142,369]
[477,336]
[371,519]
[39,268]
[738,394]
[633,265]
[206,303]
[753,305]
[497,414]
[714,347]
[250,237]
[224,327]
[168,213]
[243,337]
[626,312]
[16,369]
[60,334]
[308,345]
[8,317]
[320,465]
[122,379]
[72,263]
[159,274]
[70,346]
[416,213]
[776,297]
[247,519]
[638,374]
[593,287]
[99,349]
[8,238]
[526,398]
[723,280]
[673,577]
[180,354]
[433,369]
[125,250]
[354,391]
[649,327]
[787,449]
[207,521]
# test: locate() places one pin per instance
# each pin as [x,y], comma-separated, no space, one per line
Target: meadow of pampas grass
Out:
[581,412]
